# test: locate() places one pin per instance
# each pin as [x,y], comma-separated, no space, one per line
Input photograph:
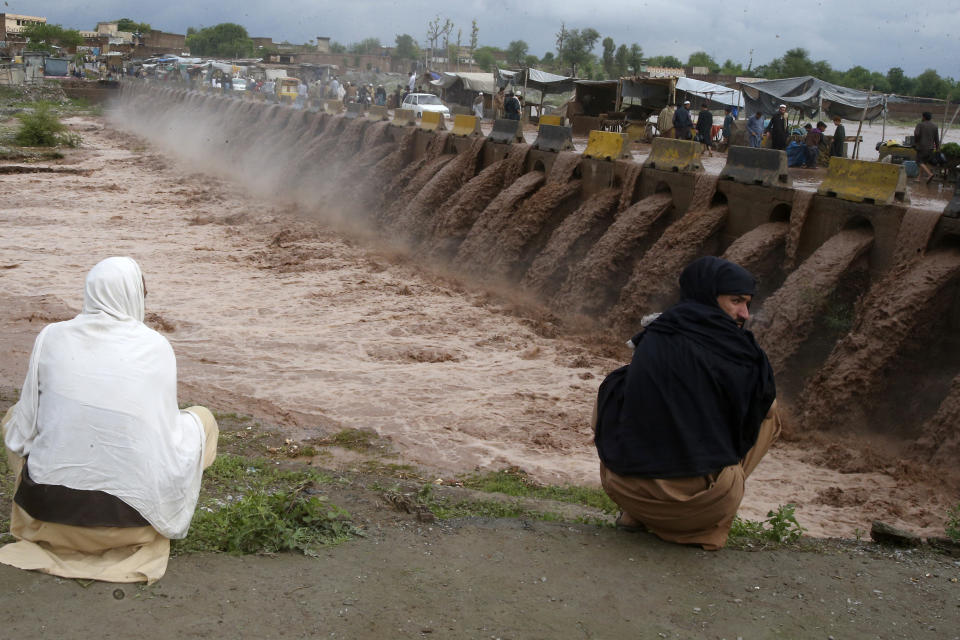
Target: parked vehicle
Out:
[420,102]
[239,84]
[287,89]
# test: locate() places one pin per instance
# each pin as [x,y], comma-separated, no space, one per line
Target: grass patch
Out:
[254,506]
[7,482]
[353,439]
[780,527]
[953,523]
[447,509]
[513,482]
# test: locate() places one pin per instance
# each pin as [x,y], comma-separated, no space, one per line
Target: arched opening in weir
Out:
[781,213]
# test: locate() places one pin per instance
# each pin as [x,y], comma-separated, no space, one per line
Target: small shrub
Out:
[951,150]
[39,128]
[953,523]
[781,526]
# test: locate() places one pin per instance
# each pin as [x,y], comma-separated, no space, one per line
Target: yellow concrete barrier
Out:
[404,117]
[377,112]
[466,126]
[863,181]
[556,121]
[607,145]
[432,121]
[332,106]
[669,154]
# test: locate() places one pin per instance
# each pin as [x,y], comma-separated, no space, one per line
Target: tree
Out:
[517,52]
[578,47]
[929,84]
[703,59]
[531,61]
[609,49]
[635,59]
[338,47]
[665,61]
[822,69]
[561,41]
[731,68]
[797,62]
[406,47]
[621,60]
[474,33]
[367,46]
[225,40]
[437,30]
[548,61]
[46,37]
[857,78]
[485,57]
[899,82]
[126,24]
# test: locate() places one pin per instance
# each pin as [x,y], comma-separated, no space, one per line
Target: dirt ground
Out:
[275,315]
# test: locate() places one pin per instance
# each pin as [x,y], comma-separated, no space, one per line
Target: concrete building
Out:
[13,24]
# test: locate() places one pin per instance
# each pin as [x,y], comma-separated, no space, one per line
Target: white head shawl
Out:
[115,287]
[98,409]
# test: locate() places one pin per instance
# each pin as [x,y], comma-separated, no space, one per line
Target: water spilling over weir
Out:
[854,297]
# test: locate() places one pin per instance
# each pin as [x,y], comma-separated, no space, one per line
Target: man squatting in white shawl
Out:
[110,466]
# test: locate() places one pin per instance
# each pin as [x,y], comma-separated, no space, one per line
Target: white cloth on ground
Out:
[98,409]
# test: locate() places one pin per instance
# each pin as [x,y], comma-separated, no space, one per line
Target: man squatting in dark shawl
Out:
[681,427]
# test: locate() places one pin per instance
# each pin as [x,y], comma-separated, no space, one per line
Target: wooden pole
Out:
[863,116]
[883,133]
[526,76]
[949,124]
[943,124]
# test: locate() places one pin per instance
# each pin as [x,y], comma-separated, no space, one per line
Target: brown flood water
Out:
[274,313]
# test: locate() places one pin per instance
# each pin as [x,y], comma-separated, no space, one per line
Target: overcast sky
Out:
[876,34]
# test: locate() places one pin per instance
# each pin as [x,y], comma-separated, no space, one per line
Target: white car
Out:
[238,84]
[420,102]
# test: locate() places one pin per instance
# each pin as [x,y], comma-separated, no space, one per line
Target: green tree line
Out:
[584,53]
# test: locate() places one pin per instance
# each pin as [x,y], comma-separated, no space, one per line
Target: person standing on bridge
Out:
[682,122]
[778,128]
[705,128]
[665,121]
[511,107]
[926,140]
[755,129]
[839,136]
[478,106]
[681,427]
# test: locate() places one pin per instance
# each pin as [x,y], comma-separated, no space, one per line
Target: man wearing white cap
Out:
[778,128]
[478,105]
[682,121]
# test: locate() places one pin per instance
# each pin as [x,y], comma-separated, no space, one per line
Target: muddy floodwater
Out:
[274,313]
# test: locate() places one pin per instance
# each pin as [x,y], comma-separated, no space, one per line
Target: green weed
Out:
[253,506]
[354,439]
[263,522]
[513,482]
[781,526]
[953,523]
[446,509]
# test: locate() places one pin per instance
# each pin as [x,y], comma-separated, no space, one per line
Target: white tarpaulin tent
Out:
[470,81]
[809,95]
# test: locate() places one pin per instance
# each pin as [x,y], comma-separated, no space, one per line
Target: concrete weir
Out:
[605,237]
